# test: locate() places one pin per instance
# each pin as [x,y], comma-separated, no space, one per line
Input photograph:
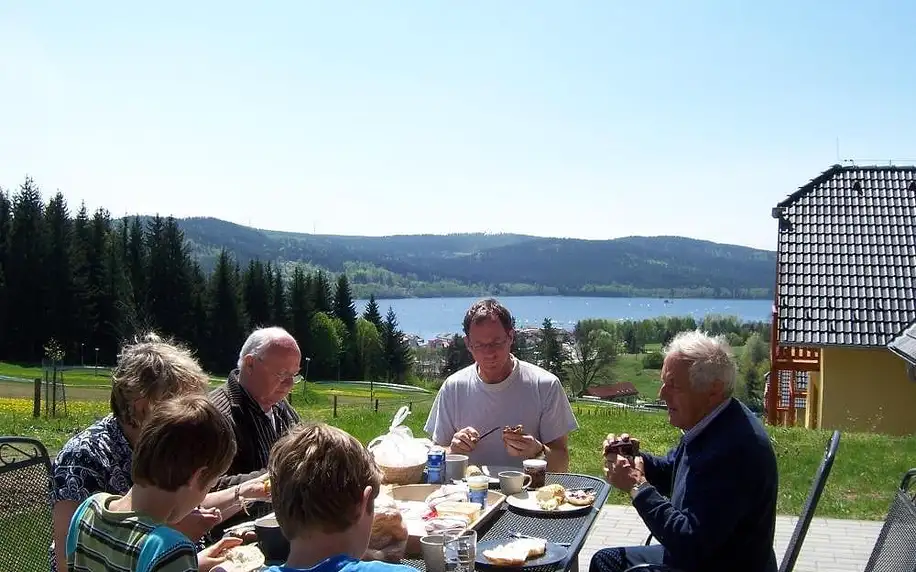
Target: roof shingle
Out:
[846,257]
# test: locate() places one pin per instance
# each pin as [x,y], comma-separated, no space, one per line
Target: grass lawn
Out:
[629,368]
[867,469]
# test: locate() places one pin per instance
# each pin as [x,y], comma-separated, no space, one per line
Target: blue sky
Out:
[584,119]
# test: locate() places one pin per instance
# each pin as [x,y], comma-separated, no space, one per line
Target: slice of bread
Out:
[516,552]
[469,510]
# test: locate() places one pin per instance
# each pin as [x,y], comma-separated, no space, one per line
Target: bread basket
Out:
[399,439]
[412,475]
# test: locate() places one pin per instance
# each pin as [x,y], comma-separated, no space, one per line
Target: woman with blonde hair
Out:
[149,371]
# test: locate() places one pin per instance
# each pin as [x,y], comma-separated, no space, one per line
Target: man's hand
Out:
[215,554]
[198,522]
[624,473]
[465,440]
[522,445]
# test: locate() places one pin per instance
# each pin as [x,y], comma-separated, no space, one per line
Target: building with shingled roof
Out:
[845,301]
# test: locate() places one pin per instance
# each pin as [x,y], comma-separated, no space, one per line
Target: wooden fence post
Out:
[376,405]
[335,405]
[36,400]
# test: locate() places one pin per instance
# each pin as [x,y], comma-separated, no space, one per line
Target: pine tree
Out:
[372,313]
[5,220]
[135,265]
[300,312]
[59,273]
[224,315]
[169,278]
[85,316]
[551,354]
[256,294]
[279,309]
[344,308]
[322,299]
[397,355]
[25,325]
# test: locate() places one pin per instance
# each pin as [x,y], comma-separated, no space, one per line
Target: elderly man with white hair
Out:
[253,399]
[711,501]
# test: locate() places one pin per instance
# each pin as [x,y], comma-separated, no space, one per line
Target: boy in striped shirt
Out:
[182,450]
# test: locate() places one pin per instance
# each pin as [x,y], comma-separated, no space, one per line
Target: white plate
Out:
[527,501]
[256,561]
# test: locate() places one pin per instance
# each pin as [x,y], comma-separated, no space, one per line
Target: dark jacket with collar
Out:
[712,502]
[255,434]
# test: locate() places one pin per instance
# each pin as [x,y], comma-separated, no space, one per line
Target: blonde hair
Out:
[154,370]
[318,474]
[184,435]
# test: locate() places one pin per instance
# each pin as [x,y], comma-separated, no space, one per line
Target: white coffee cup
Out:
[511,482]
[455,467]
[433,555]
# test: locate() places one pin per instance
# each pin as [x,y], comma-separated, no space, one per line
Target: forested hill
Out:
[477,264]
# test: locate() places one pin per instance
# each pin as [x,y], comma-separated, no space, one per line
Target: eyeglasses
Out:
[490,345]
[284,375]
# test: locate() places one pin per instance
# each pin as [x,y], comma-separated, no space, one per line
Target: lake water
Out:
[430,317]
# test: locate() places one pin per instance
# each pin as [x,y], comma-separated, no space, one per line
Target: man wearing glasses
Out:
[497,391]
[253,399]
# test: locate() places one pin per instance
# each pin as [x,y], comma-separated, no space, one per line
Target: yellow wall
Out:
[866,390]
[814,411]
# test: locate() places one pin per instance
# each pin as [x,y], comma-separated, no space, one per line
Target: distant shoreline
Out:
[392,296]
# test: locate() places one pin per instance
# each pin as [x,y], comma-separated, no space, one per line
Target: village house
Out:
[845,299]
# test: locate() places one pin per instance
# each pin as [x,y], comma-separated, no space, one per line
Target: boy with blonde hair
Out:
[182,449]
[323,484]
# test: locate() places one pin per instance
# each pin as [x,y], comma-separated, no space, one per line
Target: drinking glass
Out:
[460,551]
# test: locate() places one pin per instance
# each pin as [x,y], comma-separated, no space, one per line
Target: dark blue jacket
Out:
[712,503]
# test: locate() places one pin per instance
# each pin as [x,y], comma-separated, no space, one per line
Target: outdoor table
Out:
[554,527]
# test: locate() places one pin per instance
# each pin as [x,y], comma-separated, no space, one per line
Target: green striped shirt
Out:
[100,540]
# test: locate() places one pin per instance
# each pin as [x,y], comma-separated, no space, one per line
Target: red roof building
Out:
[613,391]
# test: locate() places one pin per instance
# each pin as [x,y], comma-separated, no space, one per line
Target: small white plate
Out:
[527,501]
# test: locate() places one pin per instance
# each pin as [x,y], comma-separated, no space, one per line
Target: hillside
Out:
[476,264]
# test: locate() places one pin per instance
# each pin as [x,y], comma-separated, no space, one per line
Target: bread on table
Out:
[550,497]
[580,497]
[516,552]
[472,471]
[387,524]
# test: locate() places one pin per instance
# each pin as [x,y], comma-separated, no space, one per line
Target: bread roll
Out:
[387,527]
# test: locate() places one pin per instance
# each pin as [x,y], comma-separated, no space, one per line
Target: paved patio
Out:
[832,545]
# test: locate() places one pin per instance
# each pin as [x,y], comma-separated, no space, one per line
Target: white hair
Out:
[710,357]
[261,339]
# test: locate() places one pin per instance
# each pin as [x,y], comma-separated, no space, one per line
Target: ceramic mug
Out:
[455,467]
[511,482]
[433,555]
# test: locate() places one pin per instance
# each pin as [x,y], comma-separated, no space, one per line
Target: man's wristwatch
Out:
[542,454]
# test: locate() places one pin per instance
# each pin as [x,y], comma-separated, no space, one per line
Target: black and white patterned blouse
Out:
[98,460]
[94,461]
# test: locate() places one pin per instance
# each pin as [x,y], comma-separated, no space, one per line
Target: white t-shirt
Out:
[530,396]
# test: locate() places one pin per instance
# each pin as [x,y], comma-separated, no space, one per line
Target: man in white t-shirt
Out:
[500,390]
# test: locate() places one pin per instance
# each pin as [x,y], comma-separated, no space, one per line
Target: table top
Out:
[554,527]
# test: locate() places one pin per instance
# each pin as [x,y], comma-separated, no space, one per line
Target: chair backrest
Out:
[814,496]
[895,549]
[25,508]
